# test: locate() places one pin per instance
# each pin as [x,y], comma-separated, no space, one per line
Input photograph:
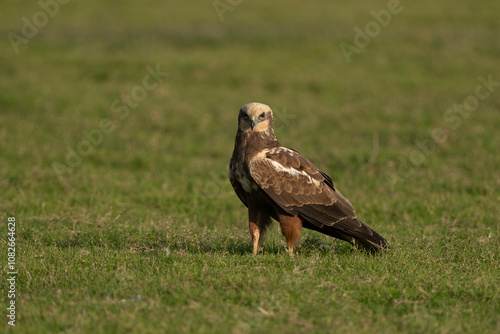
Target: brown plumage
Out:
[277,182]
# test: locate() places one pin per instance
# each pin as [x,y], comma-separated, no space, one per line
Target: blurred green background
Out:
[160,175]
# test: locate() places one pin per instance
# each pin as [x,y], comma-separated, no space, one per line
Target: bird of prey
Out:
[277,182]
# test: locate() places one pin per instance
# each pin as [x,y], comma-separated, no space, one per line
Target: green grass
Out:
[145,234]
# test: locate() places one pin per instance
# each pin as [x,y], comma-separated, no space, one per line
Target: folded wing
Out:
[300,188]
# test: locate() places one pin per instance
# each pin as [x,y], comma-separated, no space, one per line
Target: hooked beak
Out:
[252,123]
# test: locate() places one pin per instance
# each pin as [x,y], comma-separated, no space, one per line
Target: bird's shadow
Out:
[206,244]
[238,246]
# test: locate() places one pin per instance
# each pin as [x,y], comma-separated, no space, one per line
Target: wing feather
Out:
[299,187]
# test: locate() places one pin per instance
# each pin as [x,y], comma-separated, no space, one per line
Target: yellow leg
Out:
[256,242]
[258,220]
[255,234]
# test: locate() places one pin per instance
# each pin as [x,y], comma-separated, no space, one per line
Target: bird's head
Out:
[255,117]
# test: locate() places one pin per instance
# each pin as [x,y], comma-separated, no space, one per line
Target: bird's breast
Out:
[239,171]
[243,176]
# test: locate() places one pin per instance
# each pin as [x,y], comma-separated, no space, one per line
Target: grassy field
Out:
[127,223]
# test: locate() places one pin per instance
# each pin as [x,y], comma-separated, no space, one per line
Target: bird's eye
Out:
[245,116]
[262,116]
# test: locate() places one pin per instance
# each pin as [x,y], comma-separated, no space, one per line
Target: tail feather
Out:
[353,231]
